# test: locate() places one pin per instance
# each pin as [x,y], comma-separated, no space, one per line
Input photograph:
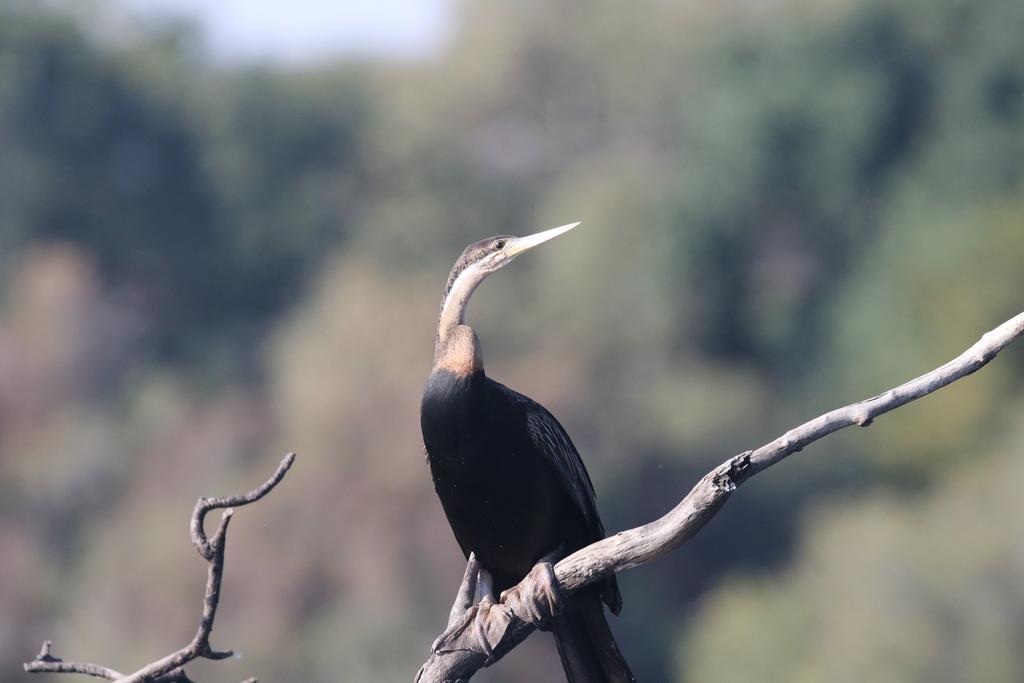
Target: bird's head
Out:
[482,258]
[479,260]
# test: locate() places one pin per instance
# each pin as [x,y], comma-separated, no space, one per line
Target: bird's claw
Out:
[480,629]
[483,621]
[538,597]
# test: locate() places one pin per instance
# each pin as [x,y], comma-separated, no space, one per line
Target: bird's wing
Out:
[550,437]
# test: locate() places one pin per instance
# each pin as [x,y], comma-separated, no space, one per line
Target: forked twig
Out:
[169,669]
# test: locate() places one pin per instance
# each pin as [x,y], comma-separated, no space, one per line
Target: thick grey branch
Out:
[456,656]
[169,668]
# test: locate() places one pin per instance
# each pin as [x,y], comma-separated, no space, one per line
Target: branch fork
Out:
[170,669]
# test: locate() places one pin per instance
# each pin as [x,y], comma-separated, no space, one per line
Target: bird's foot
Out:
[477,621]
[538,597]
[481,630]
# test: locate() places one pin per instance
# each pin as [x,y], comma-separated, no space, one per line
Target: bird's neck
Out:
[457,348]
[459,352]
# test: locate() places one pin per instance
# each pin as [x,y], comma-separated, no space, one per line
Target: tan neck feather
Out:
[460,352]
[457,348]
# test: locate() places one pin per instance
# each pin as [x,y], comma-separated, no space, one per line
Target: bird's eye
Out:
[499,245]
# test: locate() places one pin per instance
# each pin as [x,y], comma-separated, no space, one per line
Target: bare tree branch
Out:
[169,669]
[461,651]
[204,505]
[47,663]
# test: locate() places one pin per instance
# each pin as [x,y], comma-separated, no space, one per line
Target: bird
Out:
[511,482]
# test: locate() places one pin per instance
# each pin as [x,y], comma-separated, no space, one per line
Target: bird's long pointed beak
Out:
[520,244]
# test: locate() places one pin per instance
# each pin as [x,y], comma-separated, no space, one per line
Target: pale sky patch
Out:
[311,30]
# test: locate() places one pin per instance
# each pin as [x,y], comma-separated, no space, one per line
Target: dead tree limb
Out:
[170,669]
[479,635]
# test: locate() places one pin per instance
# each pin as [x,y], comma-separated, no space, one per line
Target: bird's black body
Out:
[509,478]
[510,481]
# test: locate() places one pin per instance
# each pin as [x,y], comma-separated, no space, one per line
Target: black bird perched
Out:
[509,478]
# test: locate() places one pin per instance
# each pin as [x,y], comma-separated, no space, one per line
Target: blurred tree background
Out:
[786,206]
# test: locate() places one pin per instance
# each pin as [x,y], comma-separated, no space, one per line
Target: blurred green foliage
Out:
[785,207]
[888,588]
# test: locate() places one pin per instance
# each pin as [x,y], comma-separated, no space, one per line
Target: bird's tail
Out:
[586,645]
